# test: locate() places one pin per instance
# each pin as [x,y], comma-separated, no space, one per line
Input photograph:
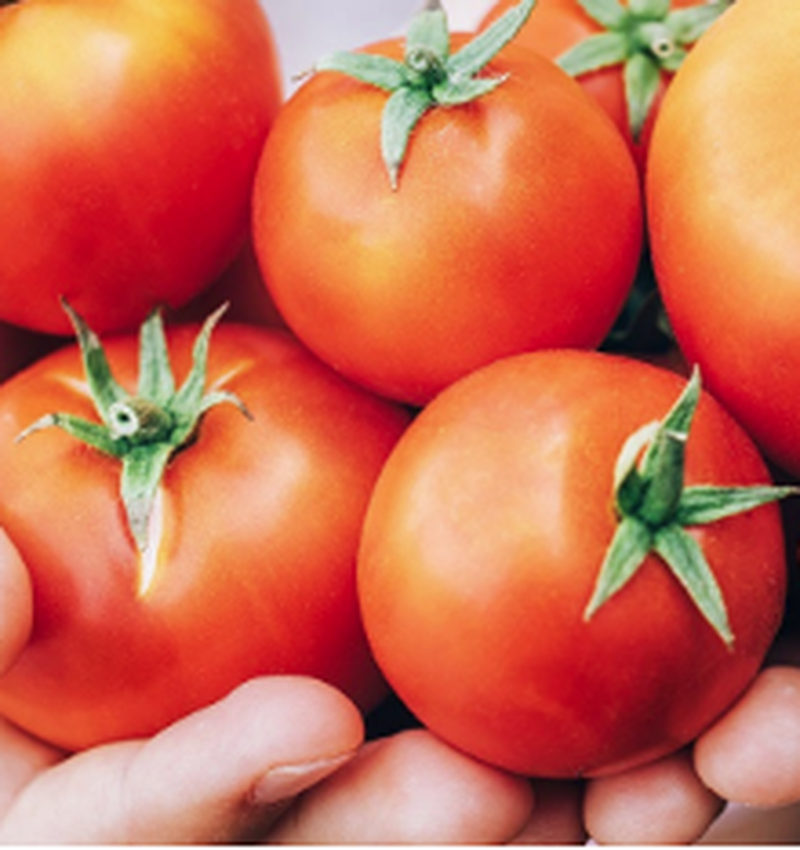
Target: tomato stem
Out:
[655,509]
[142,430]
[429,76]
[646,38]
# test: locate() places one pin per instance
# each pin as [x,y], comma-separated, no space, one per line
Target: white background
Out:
[307,29]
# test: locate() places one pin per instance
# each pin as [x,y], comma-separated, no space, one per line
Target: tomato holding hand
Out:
[541,577]
[187,555]
[479,207]
[131,134]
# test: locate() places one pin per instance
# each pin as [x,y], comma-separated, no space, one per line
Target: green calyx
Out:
[654,510]
[646,38]
[430,75]
[142,430]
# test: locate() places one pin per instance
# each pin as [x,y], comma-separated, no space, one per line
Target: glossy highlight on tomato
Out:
[131,133]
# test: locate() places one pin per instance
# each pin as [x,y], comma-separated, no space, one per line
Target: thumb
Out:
[16,603]
[222,775]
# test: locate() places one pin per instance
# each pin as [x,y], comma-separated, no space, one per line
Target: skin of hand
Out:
[281,759]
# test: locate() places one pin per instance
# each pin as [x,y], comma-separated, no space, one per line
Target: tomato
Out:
[724,219]
[514,224]
[484,540]
[241,287]
[131,136]
[559,26]
[249,566]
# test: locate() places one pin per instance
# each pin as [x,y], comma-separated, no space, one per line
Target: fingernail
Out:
[288,780]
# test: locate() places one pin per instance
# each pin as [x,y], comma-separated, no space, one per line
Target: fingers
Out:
[221,775]
[557,817]
[752,755]
[661,803]
[410,789]
[16,603]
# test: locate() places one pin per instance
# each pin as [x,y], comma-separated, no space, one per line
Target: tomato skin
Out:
[497,231]
[724,219]
[132,133]
[556,26]
[481,547]
[256,567]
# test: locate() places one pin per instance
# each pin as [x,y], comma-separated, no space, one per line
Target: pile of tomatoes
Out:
[425,452]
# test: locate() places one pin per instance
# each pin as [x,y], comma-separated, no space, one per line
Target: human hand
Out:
[750,756]
[281,760]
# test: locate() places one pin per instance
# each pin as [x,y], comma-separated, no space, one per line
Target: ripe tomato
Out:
[483,542]
[131,134]
[724,218]
[250,567]
[559,26]
[515,224]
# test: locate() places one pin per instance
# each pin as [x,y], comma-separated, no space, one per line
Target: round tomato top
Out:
[131,135]
[515,224]
[724,218]
[480,558]
[250,563]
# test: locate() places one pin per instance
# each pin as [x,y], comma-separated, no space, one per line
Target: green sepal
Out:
[704,505]
[597,51]
[655,508]
[477,53]
[608,13]
[429,33]
[402,113]
[641,78]
[631,544]
[430,75]
[374,70]
[688,564]
[645,38]
[142,430]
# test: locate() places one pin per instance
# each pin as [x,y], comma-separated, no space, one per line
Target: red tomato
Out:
[724,218]
[557,26]
[131,134]
[516,224]
[253,568]
[483,542]
[241,286]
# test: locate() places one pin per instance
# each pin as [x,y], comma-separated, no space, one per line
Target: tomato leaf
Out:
[597,51]
[641,76]
[145,430]
[655,507]
[402,113]
[430,76]
[476,54]
[608,13]
[428,33]
[688,564]
[155,375]
[379,71]
[630,546]
[645,38]
[142,471]
[687,25]
[703,505]
[102,385]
